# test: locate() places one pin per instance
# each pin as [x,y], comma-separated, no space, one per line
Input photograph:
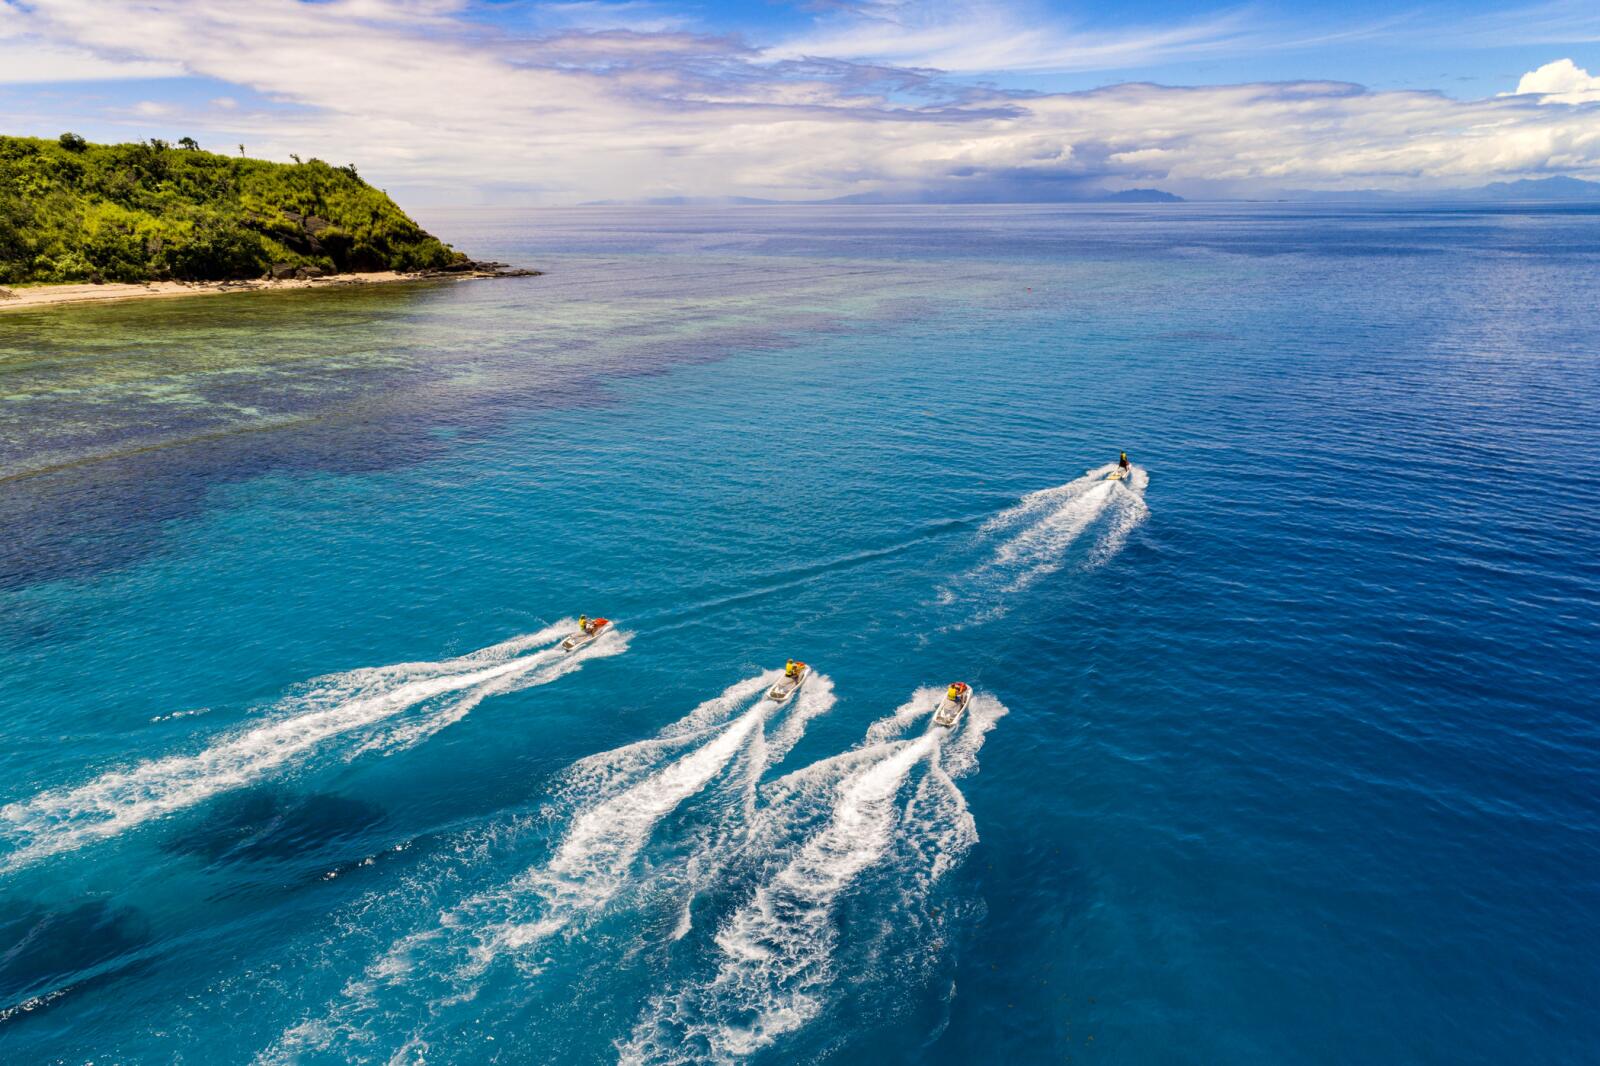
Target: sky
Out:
[519,102]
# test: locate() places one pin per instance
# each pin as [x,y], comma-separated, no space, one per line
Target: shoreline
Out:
[57,294]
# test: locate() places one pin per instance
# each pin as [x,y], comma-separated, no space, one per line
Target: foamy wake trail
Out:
[723,838]
[776,953]
[597,855]
[1034,538]
[356,703]
[613,800]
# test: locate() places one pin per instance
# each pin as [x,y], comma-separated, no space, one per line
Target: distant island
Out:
[940,198]
[1555,189]
[152,212]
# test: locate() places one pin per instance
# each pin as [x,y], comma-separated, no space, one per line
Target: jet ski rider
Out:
[1122,463]
[956,688]
[791,669]
[583,623]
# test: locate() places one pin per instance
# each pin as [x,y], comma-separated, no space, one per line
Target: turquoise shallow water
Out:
[1287,751]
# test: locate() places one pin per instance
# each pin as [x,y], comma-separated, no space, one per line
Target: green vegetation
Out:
[75,211]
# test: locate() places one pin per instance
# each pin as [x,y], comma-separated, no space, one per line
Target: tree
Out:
[189,143]
[294,157]
[141,211]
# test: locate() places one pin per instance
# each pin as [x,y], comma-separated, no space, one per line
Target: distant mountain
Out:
[1139,196]
[1547,190]
[1125,196]
[1561,188]
[685,201]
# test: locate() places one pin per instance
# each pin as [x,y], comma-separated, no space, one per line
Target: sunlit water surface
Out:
[1283,750]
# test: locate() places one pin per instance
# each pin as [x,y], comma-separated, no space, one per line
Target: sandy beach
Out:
[35,296]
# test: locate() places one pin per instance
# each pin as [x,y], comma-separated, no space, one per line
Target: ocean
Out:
[1283,749]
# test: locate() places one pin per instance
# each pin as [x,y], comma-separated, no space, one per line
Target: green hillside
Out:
[74,211]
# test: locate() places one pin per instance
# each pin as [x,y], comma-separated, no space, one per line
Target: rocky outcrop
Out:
[466,268]
[480,269]
[280,271]
[312,235]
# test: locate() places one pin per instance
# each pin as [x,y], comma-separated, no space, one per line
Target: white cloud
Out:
[29,61]
[1561,82]
[1025,36]
[965,36]
[415,94]
[1568,22]
[638,16]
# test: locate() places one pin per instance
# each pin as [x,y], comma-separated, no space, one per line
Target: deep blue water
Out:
[1286,751]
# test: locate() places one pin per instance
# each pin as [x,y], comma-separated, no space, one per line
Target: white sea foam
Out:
[1127,512]
[343,704]
[722,838]
[613,801]
[539,668]
[596,776]
[1035,537]
[777,952]
[596,856]
[598,851]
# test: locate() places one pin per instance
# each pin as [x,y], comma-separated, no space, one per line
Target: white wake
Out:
[612,801]
[597,854]
[777,952]
[351,703]
[1036,537]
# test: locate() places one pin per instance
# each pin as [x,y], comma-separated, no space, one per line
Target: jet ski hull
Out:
[951,710]
[1117,475]
[578,640]
[785,689]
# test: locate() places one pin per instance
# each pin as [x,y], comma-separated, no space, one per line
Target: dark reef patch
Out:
[45,946]
[272,826]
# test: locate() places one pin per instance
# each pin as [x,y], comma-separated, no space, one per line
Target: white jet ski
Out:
[951,708]
[586,634]
[788,686]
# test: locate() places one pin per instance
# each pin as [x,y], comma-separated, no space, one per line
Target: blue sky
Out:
[529,102]
[1461,48]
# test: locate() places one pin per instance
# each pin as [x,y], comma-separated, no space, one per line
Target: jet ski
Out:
[586,634]
[788,686]
[951,709]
